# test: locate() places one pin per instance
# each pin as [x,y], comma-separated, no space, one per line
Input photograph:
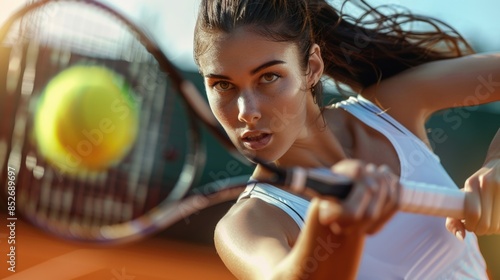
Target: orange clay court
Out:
[183,251]
[41,256]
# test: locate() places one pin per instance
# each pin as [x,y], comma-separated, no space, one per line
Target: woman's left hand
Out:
[482,206]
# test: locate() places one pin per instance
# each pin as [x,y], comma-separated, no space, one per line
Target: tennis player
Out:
[263,62]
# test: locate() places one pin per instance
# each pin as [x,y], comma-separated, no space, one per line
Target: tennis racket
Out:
[152,187]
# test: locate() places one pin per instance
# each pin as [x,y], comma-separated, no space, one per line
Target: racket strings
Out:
[159,165]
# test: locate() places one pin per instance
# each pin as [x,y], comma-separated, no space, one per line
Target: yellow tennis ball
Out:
[87,119]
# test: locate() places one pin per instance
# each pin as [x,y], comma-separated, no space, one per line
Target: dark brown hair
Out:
[357,50]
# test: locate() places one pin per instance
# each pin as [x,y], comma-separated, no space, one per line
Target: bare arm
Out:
[465,81]
[255,241]
[251,239]
[321,253]
[259,241]
[425,89]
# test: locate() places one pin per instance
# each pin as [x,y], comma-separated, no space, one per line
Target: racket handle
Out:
[415,197]
[427,199]
[325,183]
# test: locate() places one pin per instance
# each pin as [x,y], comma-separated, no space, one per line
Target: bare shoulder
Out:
[253,237]
[253,214]
[361,141]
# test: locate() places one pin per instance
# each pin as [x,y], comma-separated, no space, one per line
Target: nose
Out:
[248,106]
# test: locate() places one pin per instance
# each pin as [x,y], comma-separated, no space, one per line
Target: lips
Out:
[256,140]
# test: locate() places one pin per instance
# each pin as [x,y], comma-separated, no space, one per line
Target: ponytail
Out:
[362,51]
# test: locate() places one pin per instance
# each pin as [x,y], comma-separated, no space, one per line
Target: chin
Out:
[262,155]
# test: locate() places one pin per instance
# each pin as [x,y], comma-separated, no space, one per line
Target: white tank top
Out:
[410,246]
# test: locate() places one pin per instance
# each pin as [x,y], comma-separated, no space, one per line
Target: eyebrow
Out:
[253,71]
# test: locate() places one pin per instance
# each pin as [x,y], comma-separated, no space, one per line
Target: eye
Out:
[269,78]
[222,86]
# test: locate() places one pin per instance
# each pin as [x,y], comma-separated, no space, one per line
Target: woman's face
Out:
[258,91]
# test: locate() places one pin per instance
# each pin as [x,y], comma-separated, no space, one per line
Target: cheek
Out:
[222,111]
[289,111]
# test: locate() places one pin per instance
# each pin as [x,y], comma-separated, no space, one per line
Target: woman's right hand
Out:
[372,202]
[332,239]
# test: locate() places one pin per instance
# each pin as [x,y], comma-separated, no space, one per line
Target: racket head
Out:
[124,201]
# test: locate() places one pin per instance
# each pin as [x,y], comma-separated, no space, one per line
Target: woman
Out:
[262,62]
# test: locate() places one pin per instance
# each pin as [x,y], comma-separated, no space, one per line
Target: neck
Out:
[319,147]
[324,152]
